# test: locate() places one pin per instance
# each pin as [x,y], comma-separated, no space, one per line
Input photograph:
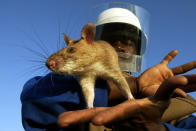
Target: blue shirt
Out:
[44,98]
[188,124]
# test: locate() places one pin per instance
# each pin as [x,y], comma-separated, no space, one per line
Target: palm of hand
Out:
[150,80]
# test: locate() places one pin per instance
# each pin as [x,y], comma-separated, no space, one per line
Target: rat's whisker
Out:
[59,36]
[38,65]
[36,61]
[36,42]
[42,45]
[33,60]
[46,71]
[52,81]
[36,52]
[37,68]
[68,25]
[31,70]
[73,27]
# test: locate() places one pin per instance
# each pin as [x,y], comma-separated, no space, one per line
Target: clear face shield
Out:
[125,27]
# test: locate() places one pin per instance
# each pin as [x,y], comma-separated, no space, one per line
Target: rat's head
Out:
[77,55]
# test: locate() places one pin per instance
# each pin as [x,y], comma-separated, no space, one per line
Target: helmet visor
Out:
[123,26]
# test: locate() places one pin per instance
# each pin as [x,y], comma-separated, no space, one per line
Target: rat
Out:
[89,60]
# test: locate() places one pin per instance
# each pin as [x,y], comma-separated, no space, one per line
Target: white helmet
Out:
[120,15]
[122,28]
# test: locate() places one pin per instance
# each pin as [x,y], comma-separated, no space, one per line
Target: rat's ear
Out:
[67,39]
[88,32]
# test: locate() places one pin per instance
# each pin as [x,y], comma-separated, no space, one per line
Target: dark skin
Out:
[129,47]
[144,113]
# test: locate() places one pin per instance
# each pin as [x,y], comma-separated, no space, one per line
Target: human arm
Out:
[144,113]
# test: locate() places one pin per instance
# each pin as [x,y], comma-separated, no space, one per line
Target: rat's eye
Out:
[71,50]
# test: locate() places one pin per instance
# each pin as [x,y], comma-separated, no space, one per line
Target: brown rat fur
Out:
[89,59]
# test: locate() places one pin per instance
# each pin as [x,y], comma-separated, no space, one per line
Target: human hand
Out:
[150,80]
[133,114]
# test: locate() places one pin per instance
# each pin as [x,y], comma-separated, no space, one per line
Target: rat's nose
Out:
[51,64]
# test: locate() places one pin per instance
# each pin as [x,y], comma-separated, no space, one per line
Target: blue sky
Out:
[36,24]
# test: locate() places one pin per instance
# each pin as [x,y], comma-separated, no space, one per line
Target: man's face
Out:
[127,46]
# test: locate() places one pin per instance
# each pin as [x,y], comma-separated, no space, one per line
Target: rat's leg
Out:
[121,83]
[87,84]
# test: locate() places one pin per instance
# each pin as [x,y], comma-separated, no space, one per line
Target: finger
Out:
[184,68]
[116,113]
[191,86]
[80,116]
[179,92]
[169,57]
[168,86]
[191,78]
